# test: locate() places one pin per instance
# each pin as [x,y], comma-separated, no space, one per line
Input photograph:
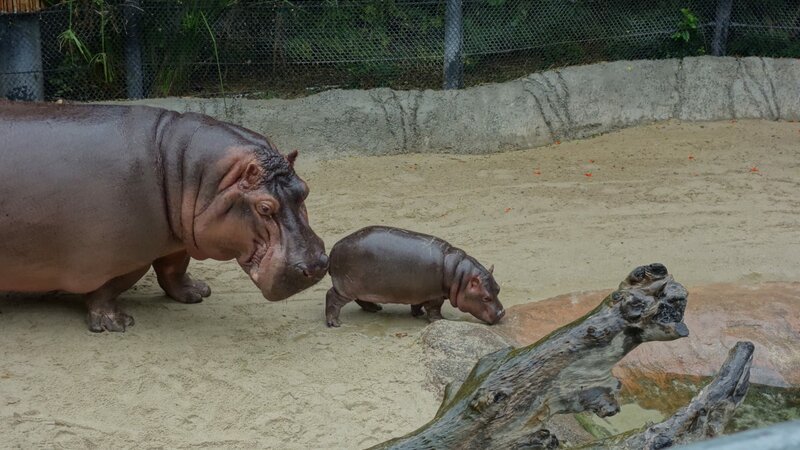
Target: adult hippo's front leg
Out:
[176,282]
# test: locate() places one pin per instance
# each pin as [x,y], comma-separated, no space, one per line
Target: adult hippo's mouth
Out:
[277,277]
[253,262]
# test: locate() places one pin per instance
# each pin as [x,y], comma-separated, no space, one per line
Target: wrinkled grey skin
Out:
[91,196]
[380,264]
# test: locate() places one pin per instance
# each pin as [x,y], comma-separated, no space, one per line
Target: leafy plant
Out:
[687,28]
[103,58]
[180,45]
[687,39]
[70,40]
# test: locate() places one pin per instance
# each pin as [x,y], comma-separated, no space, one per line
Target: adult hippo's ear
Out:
[491,269]
[252,176]
[291,157]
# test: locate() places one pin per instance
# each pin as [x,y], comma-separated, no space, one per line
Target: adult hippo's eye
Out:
[487,299]
[264,208]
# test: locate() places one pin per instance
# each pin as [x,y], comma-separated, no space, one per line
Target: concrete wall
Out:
[569,103]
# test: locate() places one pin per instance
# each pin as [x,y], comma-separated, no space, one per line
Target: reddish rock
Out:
[717,315]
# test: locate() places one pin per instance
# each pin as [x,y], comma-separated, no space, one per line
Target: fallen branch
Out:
[705,416]
[510,394]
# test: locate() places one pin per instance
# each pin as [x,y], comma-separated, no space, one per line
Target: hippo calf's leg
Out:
[369,307]
[173,279]
[434,309]
[333,304]
[416,310]
[104,314]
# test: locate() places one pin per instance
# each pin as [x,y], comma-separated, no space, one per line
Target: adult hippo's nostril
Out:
[316,270]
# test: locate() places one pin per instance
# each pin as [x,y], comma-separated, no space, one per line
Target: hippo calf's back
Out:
[388,265]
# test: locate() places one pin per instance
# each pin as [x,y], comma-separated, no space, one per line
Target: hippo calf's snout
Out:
[493,313]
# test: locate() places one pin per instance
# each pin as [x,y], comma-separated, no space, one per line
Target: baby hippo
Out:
[389,265]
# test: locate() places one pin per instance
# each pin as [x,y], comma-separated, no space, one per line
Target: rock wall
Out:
[569,103]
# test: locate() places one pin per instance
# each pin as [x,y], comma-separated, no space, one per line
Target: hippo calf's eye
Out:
[487,299]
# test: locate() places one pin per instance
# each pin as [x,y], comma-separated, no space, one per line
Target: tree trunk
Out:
[508,398]
[704,417]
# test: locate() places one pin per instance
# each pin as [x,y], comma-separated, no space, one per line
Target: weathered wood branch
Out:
[704,417]
[782,436]
[510,394]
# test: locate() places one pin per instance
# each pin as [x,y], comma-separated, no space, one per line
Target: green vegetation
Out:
[180,43]
[687,40]
[266,48]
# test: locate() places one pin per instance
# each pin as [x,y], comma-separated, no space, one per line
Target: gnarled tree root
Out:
[509,396]
[704,417]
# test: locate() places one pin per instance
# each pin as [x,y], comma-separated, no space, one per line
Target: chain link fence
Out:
[97,49]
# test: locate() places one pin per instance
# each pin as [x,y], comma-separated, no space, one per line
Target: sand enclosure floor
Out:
[715,202]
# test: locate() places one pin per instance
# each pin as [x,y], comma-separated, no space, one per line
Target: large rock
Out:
[717,315]
[452,347]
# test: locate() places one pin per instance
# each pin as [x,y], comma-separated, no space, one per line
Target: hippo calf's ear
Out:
[474,284]
[252,176]
[491,269]
[291,157]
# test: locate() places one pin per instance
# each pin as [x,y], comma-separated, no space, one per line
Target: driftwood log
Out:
[509,396]
[704,417]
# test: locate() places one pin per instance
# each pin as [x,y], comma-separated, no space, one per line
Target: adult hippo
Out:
[91,196]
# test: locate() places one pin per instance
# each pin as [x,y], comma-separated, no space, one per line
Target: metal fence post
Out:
[133,48]
[721,25]
[21,75]
[453,45]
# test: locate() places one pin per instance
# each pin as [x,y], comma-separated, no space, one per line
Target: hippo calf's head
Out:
[259,218]
[480,296]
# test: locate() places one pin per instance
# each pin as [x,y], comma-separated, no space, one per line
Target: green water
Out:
[764,405]
[630,417]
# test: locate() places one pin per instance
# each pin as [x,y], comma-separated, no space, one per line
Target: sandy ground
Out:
[714,202]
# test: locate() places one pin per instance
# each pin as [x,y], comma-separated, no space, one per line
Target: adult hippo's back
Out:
[91,196]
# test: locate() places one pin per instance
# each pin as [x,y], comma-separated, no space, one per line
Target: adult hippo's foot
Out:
[434,310]
[368,306]
[173,279]
[104,314]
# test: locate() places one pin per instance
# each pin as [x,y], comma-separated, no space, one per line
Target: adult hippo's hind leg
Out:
[173,279]
[416,310]
[333,304]
[369,307]
[104,314]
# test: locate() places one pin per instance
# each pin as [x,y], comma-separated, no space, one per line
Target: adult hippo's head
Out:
[258,216]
